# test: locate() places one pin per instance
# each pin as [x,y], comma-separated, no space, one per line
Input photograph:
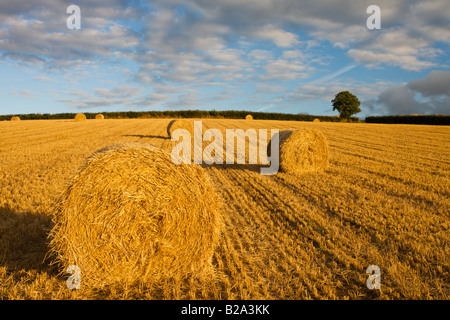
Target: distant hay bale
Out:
[80,117]
[302,151]
[316,120]
[15,119]
[189,126]
[183,124]
[180,124]
[249,117]
[131,215]
[99,116]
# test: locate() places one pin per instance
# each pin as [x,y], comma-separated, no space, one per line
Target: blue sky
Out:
[257,55]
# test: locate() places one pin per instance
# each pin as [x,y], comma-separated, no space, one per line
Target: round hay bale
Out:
[189,126]
[15,119]
[131,215]
[249,117]
[180,124]
[99,116]
[316,120]
[302,151]
[80,117]
[183,124]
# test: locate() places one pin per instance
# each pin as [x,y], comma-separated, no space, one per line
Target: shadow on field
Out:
[144,136]
[23,240]
[244,167]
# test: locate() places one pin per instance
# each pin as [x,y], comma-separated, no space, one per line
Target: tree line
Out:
[230,114]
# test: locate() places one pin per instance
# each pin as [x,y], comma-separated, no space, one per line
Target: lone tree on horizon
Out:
[346,104]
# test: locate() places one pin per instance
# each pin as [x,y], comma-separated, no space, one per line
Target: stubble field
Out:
[384,200]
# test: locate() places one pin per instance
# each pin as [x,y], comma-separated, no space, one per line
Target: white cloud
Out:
[279,36]
[24,93]
[260,54]
[205,28]
[294,54]
[282,69]
[375,59]
[102,97]
[118,92]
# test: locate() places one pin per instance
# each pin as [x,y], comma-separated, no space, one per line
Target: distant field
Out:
[383,201]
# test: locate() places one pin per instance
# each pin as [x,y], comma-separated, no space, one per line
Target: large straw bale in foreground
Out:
[15,119]
[80,117]
[301,151]
[130,214]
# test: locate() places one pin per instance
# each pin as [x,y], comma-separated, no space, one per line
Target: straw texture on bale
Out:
[130,215]
[316,120]
[249,117]
[80,117]
[301,151]
[15,119]
[99,116]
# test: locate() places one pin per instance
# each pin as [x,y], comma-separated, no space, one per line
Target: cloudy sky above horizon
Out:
[258,55]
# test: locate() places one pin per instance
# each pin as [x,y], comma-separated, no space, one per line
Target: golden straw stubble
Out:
[301,151]
[131,215]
